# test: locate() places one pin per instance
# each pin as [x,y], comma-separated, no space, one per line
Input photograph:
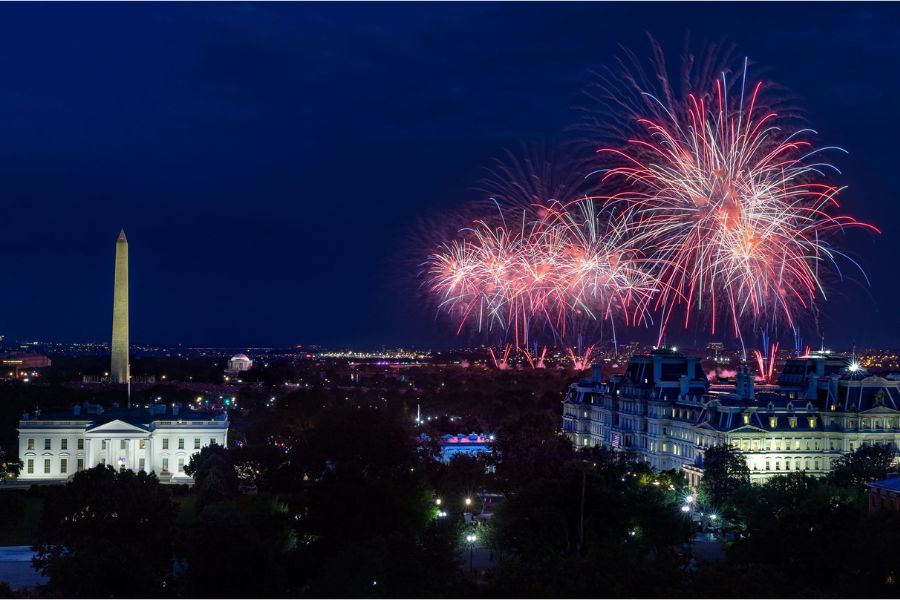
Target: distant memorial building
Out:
[160,439]
[238,363]
[119,369]
[664,411]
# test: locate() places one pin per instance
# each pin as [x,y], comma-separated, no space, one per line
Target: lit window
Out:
[30,465]
[46,466]
[165,465]
[30,443]
[81,443]
[181,465]
[773,422]
[792,421]
[142,444]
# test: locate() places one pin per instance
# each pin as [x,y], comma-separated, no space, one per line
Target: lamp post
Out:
[471,538]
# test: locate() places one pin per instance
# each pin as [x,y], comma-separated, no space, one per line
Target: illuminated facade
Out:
[160,439]
[238,363]
[665,412]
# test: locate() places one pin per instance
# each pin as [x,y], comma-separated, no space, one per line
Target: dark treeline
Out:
[350,510]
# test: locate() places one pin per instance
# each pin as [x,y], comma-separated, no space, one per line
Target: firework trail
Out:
[732,202]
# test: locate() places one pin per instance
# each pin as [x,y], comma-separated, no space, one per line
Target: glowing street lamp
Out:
[468,502]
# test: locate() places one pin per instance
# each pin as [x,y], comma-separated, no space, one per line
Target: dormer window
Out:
[792,421]
[812,422]
[746,419]
[773,422]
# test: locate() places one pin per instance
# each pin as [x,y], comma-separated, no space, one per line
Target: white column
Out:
[148,455]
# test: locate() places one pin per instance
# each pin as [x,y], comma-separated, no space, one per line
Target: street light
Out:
[468,501]
[438,501]
[685,508]
[471,538]
[688,499]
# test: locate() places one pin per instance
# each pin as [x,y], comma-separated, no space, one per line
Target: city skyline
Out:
[235,246]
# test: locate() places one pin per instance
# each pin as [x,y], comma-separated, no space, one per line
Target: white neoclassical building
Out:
[158,439]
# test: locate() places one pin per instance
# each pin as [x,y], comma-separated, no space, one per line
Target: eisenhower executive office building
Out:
[157,438]
[664,410]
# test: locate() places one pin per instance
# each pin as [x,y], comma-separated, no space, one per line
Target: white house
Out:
[158,439]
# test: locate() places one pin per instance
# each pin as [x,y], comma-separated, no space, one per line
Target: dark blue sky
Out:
[268,161]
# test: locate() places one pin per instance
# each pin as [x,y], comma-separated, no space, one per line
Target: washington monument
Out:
[119,368]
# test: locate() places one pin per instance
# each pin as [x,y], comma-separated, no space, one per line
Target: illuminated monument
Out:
[119,370]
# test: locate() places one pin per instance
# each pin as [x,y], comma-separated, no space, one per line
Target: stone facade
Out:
[160,439]
[664,410]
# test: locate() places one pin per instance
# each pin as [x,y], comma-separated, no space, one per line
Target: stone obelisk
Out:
[119,368]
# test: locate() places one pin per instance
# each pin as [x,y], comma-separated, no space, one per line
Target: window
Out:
[141,464]
[787,464]
[123,444]
[63,465]
[796,444]
[81,443]
[746,419]
[768,466]
[80,464]
[212,441]
[103,445]
[165,465]
[47,443]
[142,444]
[46,466]
[30,465]
[31,443]
[181,464]
[777,465]
[165,443]
[792,421]
[768,445]
[196,443]
[64,444]
[181,443]
[773,422]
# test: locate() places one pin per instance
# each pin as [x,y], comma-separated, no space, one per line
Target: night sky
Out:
[270,162]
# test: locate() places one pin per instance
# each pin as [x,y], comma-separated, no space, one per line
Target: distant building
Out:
[469,445]
[664,410]
[884,494]
[160,439]
[14,362]
[238,363]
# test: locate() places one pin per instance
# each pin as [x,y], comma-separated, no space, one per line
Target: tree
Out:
[725,472]
[870,462]
[236,548]
[107,533]
[214,476]
[9,467]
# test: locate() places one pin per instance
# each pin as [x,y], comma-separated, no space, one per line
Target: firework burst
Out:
[732,204]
